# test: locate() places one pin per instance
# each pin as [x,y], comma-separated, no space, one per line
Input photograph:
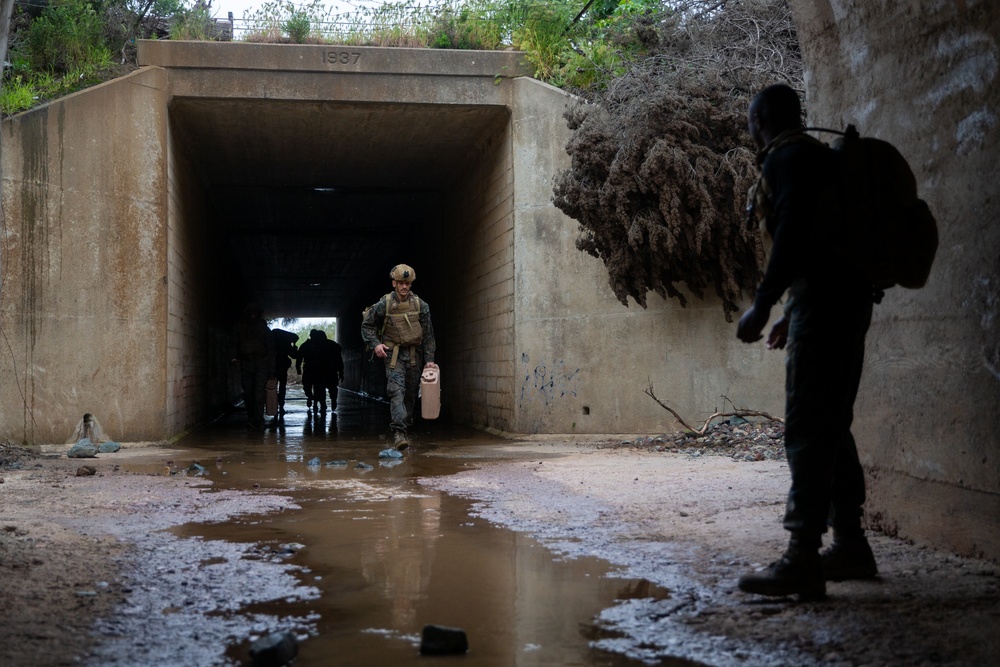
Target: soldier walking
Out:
[398,328]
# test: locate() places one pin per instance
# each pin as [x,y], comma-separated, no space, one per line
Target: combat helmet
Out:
[403,272]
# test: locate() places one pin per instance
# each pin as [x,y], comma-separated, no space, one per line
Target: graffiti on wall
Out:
[545,383]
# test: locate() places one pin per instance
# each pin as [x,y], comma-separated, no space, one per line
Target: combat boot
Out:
[797,572]
[848,558]
[399,441]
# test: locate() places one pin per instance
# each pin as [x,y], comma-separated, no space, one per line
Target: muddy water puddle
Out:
[381,555]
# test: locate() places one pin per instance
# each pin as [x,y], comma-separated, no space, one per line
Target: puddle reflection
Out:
[389,555]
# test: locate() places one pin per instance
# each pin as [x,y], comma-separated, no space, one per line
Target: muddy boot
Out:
[848,558]
[399,441]
[798,572]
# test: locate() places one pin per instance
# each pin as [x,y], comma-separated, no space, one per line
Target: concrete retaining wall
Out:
[923,75]
[84,294]
[582,359]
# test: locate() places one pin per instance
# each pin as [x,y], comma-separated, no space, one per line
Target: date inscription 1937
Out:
[341,57]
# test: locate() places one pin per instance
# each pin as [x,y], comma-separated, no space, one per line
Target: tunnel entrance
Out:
[304,206]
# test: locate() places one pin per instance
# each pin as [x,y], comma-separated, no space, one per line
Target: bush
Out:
[661,159]
[297,25]
[67,35]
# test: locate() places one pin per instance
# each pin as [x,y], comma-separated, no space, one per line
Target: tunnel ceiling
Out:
[314,199]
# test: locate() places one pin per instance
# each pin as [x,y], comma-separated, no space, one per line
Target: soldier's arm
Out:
[429,343]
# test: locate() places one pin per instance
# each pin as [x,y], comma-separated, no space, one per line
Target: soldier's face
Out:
[402,288]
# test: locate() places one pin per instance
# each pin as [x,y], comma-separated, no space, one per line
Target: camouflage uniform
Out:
[402,381]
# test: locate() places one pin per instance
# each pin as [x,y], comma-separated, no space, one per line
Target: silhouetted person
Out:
[255,355]
[333,365]
[322,366]
[284,351]
[826,319]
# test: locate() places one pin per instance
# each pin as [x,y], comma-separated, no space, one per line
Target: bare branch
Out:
[717,415]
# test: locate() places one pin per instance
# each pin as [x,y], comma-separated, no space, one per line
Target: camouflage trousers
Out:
[402,383]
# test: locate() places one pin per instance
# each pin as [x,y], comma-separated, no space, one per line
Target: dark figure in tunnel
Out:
[824,325]
[398,328]
[321,363]
[255,355]
[284,352]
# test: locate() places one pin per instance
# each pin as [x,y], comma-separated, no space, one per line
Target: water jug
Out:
[430,393]
[271,397]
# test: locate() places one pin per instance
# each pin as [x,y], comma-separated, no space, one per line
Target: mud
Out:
[615,555]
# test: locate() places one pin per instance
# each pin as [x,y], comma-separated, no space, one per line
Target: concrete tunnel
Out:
[139,214]
[311,203]
[152,208]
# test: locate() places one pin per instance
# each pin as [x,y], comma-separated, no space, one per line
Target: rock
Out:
[314,462]
[274,650]
[336,464]
[197,469]
[83,449]
[109,447]
[390,454]
[86,471]
[439,640]
[290,549]
[361,465]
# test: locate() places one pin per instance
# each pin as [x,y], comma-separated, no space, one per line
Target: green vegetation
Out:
[68,45]
[296,326]
[574,44]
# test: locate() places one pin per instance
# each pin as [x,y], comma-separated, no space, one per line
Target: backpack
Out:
[884,229]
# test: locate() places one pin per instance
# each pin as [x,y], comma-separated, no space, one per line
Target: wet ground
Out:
[544,552]
[376,554]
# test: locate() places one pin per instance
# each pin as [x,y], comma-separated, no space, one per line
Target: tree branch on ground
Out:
[717,415]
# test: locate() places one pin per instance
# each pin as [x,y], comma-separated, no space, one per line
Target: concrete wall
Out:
[83,311]
[924,76]
[582,360]
[476,317]
[200,378]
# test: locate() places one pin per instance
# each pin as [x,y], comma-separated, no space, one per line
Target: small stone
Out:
[108,447]
[314,462]
[83,449]
[390,454]
[274,650]
[86,471]
[440,640]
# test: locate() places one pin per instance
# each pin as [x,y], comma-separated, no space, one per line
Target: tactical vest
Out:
[402,322]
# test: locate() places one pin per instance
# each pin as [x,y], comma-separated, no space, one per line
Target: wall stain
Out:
[542,384]
[984,300]
[33,244]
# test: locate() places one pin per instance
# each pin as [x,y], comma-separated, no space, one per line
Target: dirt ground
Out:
[675,514]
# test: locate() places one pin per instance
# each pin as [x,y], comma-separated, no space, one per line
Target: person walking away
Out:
[825,321]
[308,366]
[255,355]
[398,329]
[284,352]
[332,358]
